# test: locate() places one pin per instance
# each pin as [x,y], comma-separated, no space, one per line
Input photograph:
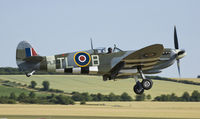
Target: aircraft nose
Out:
[181,54]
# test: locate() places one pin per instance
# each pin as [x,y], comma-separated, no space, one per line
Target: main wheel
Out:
[147,84]
[138,90]
[106,77]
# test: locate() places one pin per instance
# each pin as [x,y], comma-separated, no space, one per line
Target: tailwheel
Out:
[147,84]
[138,89]
[28,75]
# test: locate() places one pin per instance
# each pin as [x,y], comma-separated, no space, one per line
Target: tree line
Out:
[76,96]
[31,98]
[186,97]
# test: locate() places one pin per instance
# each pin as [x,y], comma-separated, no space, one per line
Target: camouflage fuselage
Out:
[102,63]
[150,60]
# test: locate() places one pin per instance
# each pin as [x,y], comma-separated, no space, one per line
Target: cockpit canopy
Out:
[103,50]
[100,50]
[116,49]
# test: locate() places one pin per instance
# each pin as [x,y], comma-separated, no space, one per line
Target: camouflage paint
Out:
[151,59]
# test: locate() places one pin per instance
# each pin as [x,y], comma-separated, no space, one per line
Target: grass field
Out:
[67,117]
[5,91]
[75,117]
[94,84]
[99,110]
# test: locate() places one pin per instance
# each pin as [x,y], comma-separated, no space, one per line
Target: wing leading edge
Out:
[146,58]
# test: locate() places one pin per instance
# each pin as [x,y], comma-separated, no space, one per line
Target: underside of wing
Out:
[146,57]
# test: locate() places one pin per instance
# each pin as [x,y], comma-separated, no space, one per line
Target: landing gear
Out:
[106,77]
[146,84]
[30,74]
[138,89]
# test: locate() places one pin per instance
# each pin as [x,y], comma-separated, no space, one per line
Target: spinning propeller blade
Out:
[178,65]
[176,45]
[175,39]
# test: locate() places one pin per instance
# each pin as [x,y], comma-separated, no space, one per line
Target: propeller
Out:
[175,39]
[176,45]
[178,65]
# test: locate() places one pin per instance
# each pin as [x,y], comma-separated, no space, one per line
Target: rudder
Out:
[23,51]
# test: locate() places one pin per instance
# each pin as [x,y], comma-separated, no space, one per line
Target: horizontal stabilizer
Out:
[34,59]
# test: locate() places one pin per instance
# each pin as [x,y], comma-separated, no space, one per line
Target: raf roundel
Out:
[82,59]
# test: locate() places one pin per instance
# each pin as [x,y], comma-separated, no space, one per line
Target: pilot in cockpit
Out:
[109,50]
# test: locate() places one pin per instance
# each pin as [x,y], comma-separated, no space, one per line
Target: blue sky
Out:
[60,26]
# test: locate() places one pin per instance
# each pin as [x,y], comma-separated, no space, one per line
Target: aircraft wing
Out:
[145,57]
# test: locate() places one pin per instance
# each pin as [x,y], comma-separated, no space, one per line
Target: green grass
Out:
[94,84]
[5,91]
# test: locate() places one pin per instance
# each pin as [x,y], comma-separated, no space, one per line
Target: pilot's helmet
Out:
[109,50]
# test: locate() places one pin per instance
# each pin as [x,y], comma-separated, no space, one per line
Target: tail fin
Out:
[24,50]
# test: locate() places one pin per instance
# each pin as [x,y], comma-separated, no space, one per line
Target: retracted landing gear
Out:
[30,74]
[146,84]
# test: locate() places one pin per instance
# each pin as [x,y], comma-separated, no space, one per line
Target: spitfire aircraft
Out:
[111,65]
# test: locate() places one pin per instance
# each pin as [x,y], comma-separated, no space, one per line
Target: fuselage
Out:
[150,60]
[97,62]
